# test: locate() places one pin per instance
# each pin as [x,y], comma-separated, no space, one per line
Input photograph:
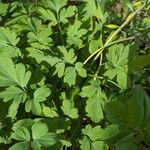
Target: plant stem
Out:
[103,47]
[100,63]
[129,18]
[115,42]
[122,40]
[106,80]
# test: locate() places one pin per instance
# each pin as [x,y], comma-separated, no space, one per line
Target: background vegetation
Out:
[74,75]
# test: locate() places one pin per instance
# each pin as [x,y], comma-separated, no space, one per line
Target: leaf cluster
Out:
[74,75]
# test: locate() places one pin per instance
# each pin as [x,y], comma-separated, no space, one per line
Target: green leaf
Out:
[139,62]
[99,145]
[122,79]
[41,136]
[20,146]
[56,5]
[48,15]
[135,109]
[95,100]
[117,57]
[116,112]
[93,9]
[3,9]
[9,75]
[47,140]
[9,51]
[81,71]
[60,14]
[146,106]
[23,123]
[50,99]
[13,109]
[36,107]
[69,56]
[90,90]
[12,92]
[129,114]
[75,33]
[110,132]
[17,95]
[40,79]
[94,107]
[21,74]
[93,46]
[40,57]
[28,105]
[65,143]
[39,35]
[94,134]
[112,26]
[125,146]
[8,37]
[41,94]
[70,76]
[57,125]
[65,13]
[111,73]
[49,112]
[91,140]
[35,145]
[69,110]
[85,143]
[39,129]
[21,134]
[60,69]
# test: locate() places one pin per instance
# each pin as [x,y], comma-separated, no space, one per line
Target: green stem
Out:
[108,42]
[129,18]
[103,47]
[106,80]
[100,63]
[115,42]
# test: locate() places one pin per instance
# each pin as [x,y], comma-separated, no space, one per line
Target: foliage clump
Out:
[74,75]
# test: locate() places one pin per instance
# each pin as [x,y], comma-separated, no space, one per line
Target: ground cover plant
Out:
[74,75]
